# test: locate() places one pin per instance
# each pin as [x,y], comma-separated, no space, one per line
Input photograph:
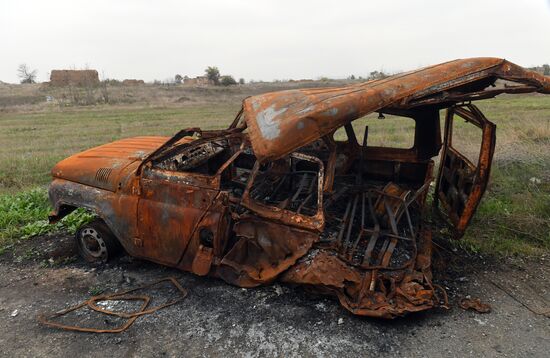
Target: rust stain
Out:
[276,197]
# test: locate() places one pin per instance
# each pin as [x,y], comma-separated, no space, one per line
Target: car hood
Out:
[102,166]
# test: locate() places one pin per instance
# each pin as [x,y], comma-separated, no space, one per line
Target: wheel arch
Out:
[66,196]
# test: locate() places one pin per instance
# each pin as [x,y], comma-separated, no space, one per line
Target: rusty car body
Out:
[276,196]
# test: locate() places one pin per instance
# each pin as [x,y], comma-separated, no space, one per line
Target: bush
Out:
[227,81]
[111,82]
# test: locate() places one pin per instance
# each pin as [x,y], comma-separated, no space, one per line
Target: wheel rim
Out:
[92,243]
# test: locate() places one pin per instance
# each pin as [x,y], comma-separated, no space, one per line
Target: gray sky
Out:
[265,40]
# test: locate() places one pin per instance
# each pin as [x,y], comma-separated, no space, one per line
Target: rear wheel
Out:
[96,243]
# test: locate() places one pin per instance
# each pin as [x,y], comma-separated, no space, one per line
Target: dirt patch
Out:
[45,250]
[221,320]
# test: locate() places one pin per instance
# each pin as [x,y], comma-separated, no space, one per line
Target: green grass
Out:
[25,214]
[514,215]
[513,218]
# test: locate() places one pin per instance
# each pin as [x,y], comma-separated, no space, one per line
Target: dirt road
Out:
[220,320]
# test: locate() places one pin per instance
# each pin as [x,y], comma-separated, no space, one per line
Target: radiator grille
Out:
[102,175]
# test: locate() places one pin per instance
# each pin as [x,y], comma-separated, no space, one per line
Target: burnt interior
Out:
[373,212]
[372,201]
[372,198]
[288,184]
[372,225]
[203,158]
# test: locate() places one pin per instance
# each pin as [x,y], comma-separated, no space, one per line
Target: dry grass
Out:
[34,97]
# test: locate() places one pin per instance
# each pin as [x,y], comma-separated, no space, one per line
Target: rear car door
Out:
[461,182]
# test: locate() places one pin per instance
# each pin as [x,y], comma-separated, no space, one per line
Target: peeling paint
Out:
[269,127]
[306,110]
[331,112]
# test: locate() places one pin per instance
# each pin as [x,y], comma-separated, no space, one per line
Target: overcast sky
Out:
[265,40]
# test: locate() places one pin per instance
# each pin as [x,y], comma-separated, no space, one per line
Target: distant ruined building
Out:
[79,78]
[197,81]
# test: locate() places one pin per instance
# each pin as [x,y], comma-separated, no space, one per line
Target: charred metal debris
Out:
[474,304]
[93,305]
[277,196]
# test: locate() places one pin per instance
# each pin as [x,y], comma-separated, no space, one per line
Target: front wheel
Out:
[96,243]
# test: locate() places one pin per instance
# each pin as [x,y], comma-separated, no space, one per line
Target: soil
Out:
[44,274]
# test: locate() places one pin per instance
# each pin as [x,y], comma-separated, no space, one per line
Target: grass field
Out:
[514,217]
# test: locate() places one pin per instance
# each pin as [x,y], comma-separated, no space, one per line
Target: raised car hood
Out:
[101,166]
[281,122]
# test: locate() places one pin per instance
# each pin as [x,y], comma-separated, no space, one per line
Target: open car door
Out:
[461,183]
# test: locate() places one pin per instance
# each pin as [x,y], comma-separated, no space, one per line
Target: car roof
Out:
[280,122]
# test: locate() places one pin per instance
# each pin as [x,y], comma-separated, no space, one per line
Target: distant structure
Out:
[132,82]
[74,77]
[197,81]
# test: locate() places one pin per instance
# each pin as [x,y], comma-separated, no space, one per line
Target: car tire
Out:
[96,243]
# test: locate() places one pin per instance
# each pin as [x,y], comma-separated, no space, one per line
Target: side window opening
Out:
[340,135]
[388,132]
[466,139]
[235,176]
[381,157]
[289,184]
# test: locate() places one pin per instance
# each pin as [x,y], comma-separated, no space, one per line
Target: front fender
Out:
[117,210]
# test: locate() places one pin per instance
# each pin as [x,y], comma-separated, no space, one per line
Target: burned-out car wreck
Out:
[277,197]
